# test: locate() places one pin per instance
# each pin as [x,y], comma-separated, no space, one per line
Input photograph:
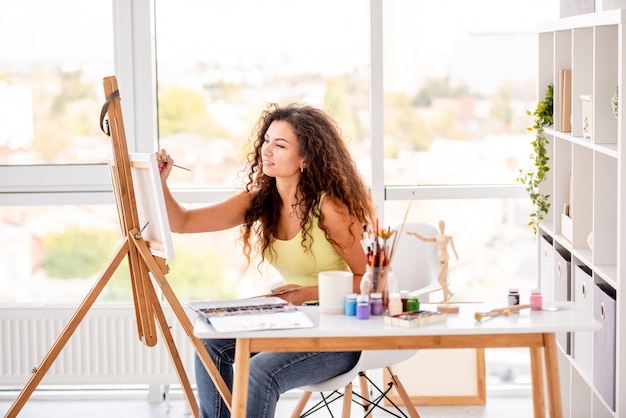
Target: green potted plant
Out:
[534,176]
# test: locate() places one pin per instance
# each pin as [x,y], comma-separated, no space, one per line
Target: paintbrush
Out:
[399,234]
[165,161]
[506,311]
[282,292]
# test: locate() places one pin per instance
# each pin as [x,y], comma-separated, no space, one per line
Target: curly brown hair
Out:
[329,169]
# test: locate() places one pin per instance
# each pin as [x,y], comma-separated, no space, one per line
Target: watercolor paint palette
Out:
[416,319]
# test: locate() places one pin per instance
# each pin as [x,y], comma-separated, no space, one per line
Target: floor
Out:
[134,403]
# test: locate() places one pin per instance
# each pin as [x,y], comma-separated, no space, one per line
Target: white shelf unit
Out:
[589,175]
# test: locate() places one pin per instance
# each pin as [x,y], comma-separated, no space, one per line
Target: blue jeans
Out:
[271,374]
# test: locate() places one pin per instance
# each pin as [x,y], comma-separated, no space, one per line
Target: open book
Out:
[251,314]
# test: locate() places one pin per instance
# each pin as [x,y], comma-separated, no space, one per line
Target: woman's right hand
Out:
[165,164]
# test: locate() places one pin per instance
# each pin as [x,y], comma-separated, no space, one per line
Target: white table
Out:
[533,329]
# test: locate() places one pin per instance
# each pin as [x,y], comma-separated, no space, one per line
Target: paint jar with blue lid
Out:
[349,306]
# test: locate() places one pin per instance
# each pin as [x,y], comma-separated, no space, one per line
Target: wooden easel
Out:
[142,263]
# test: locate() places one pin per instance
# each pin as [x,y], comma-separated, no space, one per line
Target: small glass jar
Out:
[395,304]
[404,298]
[536,300]
[349,306]
[377,304]
[413,304]
[513,297]
[391,284]
[379,280]
[362,307]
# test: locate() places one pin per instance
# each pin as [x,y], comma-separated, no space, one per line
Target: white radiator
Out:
[104,349]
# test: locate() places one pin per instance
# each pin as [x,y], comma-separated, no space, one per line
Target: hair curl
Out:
[329,169]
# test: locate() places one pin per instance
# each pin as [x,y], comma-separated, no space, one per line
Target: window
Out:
[218,68]
[51,70]
[457,83]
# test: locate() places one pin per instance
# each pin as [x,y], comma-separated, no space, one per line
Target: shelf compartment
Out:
[581,207]
[582,74]
[580,397]
[605,191]
[545,72]
[606,61]
[562,61]
[562,175]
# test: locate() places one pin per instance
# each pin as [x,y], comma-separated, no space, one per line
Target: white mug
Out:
[333,288]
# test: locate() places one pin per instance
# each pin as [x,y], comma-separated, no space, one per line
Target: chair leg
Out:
[347,401]
[367,403]
[408,404]
[365,392]
[297,411]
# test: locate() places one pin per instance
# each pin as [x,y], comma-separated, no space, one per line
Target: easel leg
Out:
[175,357]
[140,285]
[184,321]
[69,329]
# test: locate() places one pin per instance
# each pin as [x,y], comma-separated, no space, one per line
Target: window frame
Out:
[135,67]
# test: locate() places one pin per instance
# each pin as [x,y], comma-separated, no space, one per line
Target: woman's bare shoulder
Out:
[332,208]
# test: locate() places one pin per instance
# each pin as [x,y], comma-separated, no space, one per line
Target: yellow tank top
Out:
[300,266]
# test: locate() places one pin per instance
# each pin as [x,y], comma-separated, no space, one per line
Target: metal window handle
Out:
[602,311]
[583,290]
[558,269]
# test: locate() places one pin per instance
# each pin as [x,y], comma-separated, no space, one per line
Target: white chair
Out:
[416,265]
[369,360]
[415,262]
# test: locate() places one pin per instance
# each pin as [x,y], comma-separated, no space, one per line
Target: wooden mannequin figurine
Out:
[443,241]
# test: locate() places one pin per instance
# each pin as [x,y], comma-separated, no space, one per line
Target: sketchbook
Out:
[252,314]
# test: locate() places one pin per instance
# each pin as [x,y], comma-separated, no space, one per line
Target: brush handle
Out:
[510,308]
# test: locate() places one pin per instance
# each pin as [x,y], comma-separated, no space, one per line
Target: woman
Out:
[303,209]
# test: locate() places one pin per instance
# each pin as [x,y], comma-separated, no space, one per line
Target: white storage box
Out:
[566,227]
[582,293]
[604,340]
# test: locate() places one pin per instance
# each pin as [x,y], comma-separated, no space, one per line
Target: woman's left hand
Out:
[295,294]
